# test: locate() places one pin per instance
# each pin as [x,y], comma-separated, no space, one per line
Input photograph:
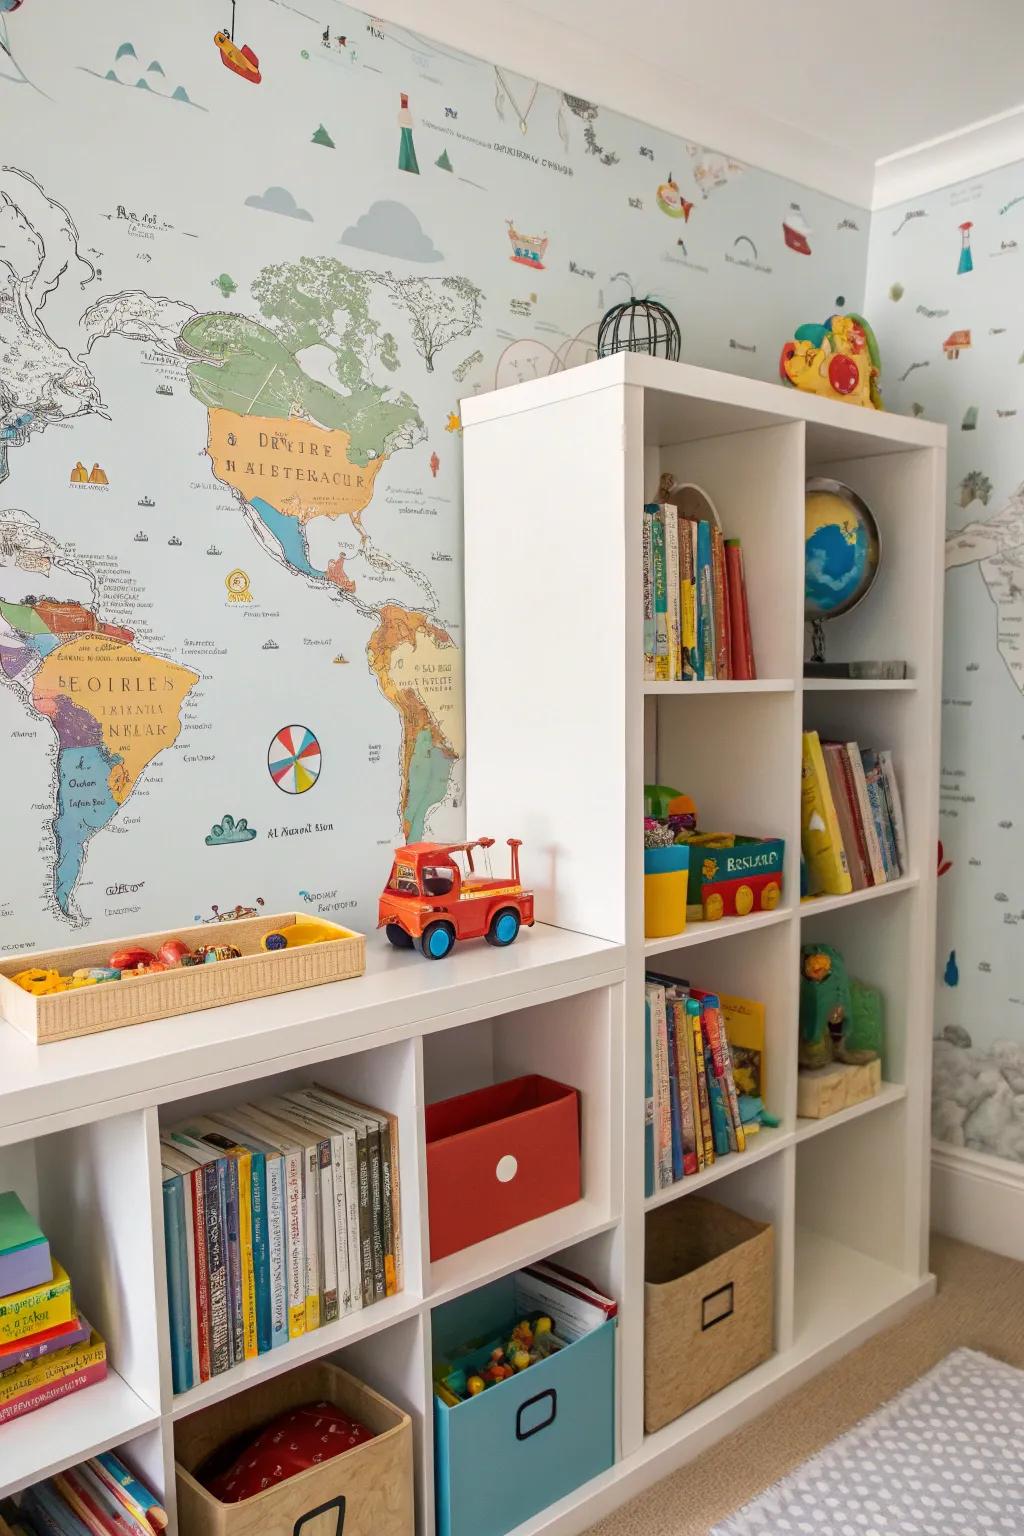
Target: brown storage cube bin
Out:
[708,1297]
[374,1479]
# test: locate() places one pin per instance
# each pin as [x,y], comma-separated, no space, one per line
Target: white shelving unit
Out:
[563,732]
[79,1140]
[561,735]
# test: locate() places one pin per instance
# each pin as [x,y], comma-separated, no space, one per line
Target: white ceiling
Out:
[817,90]
[876,77]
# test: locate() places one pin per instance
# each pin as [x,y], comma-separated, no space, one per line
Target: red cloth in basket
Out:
[288,1445]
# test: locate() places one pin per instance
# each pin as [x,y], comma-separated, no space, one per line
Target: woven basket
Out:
[708,1302]
[366,1491]
[114,1004]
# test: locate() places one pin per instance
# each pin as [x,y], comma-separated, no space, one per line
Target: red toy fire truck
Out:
[429,901]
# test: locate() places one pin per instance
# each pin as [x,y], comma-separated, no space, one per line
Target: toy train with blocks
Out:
[430,900]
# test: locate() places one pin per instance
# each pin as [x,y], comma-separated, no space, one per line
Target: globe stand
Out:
[817,643]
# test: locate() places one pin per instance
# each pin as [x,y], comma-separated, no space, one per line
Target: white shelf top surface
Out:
[399,993]
[96,1419]
[684,403]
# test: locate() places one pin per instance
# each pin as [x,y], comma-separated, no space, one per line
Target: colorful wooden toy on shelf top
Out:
[839,360]
[429,901]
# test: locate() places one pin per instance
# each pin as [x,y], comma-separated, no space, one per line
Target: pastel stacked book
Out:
[851,814]
[705,1079]
[280,1217]
[47,1349]
[100,1497]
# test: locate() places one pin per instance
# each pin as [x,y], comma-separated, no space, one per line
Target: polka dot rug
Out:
[944,1458]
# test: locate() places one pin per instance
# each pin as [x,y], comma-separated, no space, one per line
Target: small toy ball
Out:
[278,941]
[542,1325]
[129,959]
[475,1385]
[173,951]
[521,1359]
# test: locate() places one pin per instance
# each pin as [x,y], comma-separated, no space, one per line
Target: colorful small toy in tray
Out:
[479,1365]
[731,874]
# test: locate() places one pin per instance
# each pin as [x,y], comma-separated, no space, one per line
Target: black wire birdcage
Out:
[640,325]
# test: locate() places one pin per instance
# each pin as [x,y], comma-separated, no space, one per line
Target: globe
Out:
[841,549]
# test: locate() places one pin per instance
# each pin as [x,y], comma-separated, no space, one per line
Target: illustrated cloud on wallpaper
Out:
[279,200]
[391,229]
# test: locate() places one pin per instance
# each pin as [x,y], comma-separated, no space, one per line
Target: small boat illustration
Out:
[146,501]
[141,538]
[213,550]
[341,661]
[164,389]
[528,250]
[174,540]
[270,645]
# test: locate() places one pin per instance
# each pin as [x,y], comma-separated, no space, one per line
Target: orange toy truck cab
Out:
[429,901]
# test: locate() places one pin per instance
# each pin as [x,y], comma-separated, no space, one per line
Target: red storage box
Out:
[498,1157]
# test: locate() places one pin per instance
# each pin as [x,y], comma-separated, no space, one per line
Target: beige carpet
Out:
[979,1305]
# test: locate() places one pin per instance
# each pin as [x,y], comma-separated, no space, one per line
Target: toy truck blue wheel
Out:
[437,941]
[398,936]
[275,941]
[504,927]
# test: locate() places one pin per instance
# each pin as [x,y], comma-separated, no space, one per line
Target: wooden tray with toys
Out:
[58,994]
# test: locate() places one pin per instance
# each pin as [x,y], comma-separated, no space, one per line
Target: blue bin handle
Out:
[311,1514]
[552,1396]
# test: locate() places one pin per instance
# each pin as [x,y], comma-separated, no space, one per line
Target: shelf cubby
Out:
[576,1041]
[90,1188]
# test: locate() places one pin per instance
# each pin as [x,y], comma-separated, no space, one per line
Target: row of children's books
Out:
[851,817]
[47,1349]
[696,619]
[100,1497]
[280,1217]
[704,1066]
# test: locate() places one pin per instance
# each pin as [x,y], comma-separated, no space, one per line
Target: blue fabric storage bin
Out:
[521,1445]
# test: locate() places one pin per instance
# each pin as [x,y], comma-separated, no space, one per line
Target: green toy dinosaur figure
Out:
[838,1021]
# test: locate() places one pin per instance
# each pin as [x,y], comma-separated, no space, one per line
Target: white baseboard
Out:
[979,1199]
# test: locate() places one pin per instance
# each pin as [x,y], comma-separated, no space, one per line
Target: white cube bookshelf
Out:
[563,732]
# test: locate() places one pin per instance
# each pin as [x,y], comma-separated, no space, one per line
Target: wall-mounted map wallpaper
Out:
[251,257]
[946,275]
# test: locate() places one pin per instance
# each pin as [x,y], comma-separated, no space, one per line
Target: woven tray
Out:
[114,1004]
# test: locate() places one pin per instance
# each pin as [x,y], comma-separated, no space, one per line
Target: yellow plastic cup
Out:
[666,874]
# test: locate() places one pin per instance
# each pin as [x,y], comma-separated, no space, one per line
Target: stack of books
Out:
[851,817]
[696,619]
[100,1496]
[47,1349]
[704,1055]
[280,1217]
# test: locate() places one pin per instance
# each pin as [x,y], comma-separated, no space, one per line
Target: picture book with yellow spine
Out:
[827,870]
